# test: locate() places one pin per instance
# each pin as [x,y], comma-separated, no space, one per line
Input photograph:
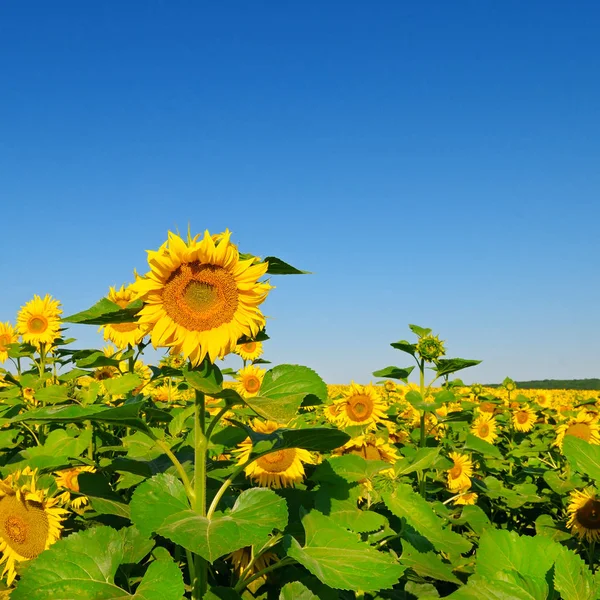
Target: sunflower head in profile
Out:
[584,514]
[243,562]
[249,350]
[38,321]
[371,447]
[459,475]
[123,334]
[524,418]
[584,426]
[30,521]
[8,335]
[484,427]
[464,497]
[249,381]
[200,298]
[281,468]
[67,479]
[360,405]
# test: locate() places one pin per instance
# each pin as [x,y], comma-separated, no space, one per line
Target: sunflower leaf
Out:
[394,373]
[278,267]
[105,312]
[582,456]
[481,446]
[338,559]
[296,591]
[446,366]
[83,567]
[206,378]
[572,577]
[426,564]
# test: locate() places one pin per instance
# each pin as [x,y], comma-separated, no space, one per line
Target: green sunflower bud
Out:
[430,348]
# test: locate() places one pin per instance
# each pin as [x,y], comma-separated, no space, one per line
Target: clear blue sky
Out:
[434,163]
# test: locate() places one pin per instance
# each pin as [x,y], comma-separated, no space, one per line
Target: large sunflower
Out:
[249,381]
[524,418]
[30,522]
[360,405]
[584,426]
[123,334]
[584,514]
[8,335]
[38,321]
[459,475]
[484,427]
[249,350]
[200,298]
[281,468]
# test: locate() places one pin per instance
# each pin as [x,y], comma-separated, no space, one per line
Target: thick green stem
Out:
[422,438]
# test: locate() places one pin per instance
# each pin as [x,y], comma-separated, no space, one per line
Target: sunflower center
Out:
[455,472]
[37,324]
[200,297]
[4,340]
[522,417]
[249,347]
[484,430]
[252,384]
[104,373]
[589,514]
[277,462]
[359,407]
[580,430]
[23,526]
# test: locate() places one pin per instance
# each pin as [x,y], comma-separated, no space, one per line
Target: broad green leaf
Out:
[102,498]
[136,546]
[53,394]
[427,564]
[480,588]
[296,591]
[422,459]
[572,577]
[405,347]
[394,373]
[83,567]
[404,502]
[416,400]
[476,518]
[422,591]
[105,312]
[446,366]
[562,486]
[420,331]
[545,525]
[481,446]
[206,378]
[582,456]
[339,559]
[122,384]
[278,267]
[349,466]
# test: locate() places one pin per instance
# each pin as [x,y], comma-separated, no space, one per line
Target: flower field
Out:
[184,479]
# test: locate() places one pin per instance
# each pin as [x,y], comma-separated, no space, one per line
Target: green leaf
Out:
[394,373]
[481,446]
[102,498]
[159,506]
[405,347]
[445,366]
[278,267]
[427,564]
[296,591]
[105,312]
[349,466]
[476,518]
[480,588]
[123,384]
[423,459]
[582,456]
[338,559]
[404,502]
[83,567]
[53,394]
[420,331]
[416,400]
[562,486]
[545,525]
[572,577]
[206,378]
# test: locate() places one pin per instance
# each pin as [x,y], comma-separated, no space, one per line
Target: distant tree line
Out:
[556,384]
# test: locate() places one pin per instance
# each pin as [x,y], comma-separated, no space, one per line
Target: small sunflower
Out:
[459,476]
[167,392]
[67,479]
[249,381]
[584,426]
[123,334]
[241,560]
[249,350]
[464,497]
[29,395]
[360,405]
[30,522]
[584,514]
[524,419]
[38,321]
[281,468]
[484,427]
[332,412]
[8,335]
[201,298]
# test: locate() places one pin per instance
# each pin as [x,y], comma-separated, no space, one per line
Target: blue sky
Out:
[430,162]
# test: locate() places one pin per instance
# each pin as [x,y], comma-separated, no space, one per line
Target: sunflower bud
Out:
[430,348]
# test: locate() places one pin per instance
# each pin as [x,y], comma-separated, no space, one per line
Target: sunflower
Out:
[524,419]
[249,350]
[332,412]
[243,561]
[29,395]
[464,497]
[460,473]
[8,335]
[488,407]
[67,478]
[584,514]
[30,522]
[167,392]
[123,334]
[584,426]
[369,447]
[281,468]
[200,298]
[249,381]
[484,427]
[360,405]
[38,321]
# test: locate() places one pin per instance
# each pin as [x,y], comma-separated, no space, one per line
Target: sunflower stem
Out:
[592,556]
[200,583]
[421,474]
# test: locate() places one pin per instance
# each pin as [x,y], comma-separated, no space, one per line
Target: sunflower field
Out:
[183,479]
